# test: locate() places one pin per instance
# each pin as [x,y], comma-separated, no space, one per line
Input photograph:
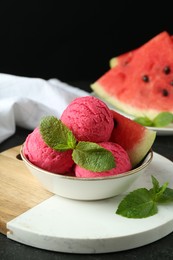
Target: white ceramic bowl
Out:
[87,188]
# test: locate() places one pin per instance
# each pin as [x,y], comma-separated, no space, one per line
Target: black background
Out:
[74,40]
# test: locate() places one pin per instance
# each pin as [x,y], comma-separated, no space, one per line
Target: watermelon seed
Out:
[115,123]
[171,83]
[167,70]
[145,78]
[165,92]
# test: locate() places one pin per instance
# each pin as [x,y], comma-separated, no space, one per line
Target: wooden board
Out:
[87,227]
[19,190]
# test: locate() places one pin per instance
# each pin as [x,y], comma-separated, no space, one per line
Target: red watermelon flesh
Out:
[136,139]
[141,84]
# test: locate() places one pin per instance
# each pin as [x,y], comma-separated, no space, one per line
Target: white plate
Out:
[163,130]
[160,130]
[74,226]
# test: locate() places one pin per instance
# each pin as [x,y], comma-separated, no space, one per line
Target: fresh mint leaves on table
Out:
[161,120]
[88,155]
[142,203]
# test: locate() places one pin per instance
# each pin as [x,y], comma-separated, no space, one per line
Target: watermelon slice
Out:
[140,82]
[136,139]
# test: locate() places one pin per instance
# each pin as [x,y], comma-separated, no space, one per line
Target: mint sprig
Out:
[88,155]
[161,120]
[145,121]
[93,157]
[142,203]
[56,134]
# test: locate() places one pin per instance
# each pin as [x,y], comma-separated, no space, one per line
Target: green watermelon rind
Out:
[130,110]
[113,62]
[139,150]
[136,139]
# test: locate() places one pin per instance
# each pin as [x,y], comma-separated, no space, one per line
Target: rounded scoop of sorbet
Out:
[122,160]
[89,119]
[43,156]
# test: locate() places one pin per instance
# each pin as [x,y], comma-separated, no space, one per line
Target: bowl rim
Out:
[144,163]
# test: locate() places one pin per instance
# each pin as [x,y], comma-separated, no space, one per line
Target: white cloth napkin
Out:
[24,100]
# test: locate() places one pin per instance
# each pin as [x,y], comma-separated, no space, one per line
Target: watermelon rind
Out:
[117,104]
[142,148]
[113,62]
[136,139]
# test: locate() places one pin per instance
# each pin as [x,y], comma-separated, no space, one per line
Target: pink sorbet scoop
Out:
[43,156]
[89,119]
[122,160]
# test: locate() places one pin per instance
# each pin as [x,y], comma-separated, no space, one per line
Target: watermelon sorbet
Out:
[122,160]
[89,119]
[43,156]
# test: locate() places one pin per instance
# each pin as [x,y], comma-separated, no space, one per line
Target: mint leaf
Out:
[137,204]
[161,191]
[167,196]
[56,134]
[142,203]
[93,157]
[157,191]
[163,119]
[156,185]
[145,121]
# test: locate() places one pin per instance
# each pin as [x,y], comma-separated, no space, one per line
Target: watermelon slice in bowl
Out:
[140,82]
[136,139]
